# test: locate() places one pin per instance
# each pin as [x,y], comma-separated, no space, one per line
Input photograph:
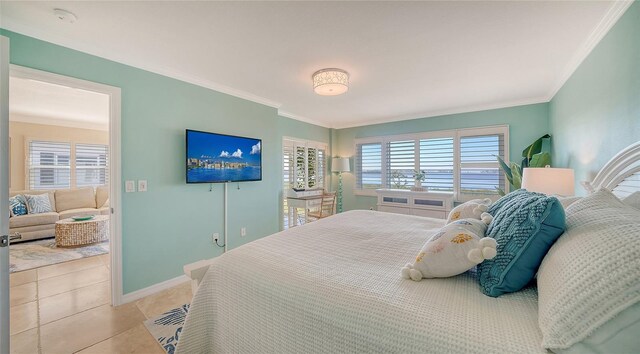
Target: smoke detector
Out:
[64,15]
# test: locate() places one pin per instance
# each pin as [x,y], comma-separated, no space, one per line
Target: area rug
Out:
[40,253]
[166,328]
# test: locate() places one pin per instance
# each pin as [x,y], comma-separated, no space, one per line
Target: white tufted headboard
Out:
[621,174]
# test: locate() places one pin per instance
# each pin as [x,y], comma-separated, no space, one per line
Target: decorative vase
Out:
[418,186]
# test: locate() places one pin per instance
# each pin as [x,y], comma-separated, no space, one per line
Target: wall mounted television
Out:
[220,158]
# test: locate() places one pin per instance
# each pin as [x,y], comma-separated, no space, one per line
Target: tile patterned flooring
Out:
[64,308]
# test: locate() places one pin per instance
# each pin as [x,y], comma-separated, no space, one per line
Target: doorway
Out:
[64,137]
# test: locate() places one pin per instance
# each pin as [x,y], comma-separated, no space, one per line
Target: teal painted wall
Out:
[526,123]
[597,112]
[171,224]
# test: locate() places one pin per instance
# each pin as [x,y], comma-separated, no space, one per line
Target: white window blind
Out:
[401,163]
[49,165]
[479,170]
[92,165]
[461,161]
[368,166]
[436,159]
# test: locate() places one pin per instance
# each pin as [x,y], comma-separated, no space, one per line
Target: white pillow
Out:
[633,200]
[456,248]
[592,273]
[472,209]
[39,203]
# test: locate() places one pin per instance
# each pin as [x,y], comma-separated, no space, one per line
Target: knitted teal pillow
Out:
[525,225]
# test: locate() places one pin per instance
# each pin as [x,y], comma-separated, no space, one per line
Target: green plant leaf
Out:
[505,168]
[536,147]
[500,192]
[516,180]
[540,160]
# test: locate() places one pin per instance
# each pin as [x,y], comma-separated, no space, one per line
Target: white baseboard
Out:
[154,289]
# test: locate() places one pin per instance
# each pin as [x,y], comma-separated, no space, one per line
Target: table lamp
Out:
[547,180]
[339,165]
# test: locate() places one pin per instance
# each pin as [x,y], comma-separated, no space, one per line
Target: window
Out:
[92,165]
[460,161]
[303,167]
[49,165]
[368,166]
[55,165]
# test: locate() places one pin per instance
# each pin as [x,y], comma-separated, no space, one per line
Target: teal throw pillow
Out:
[18,205]
[525,225]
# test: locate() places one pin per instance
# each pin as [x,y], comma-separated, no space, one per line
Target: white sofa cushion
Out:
[102,196]
[590,275]
[33,219]
[67,199]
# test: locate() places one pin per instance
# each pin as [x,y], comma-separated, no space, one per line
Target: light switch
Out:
[129,186]
[142,185]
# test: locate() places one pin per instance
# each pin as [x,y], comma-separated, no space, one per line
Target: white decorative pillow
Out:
[456,248]
[37,204]
[592,273]
[471,209]
[633,200]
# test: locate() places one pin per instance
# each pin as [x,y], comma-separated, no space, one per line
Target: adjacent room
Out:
[320,176]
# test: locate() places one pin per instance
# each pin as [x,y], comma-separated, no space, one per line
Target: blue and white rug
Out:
[40,253]
[166,328]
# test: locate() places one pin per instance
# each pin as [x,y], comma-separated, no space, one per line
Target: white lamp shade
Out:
[551,181]
[340,164]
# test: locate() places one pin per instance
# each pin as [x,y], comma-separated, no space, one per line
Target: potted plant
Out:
[419,176]
[538,154]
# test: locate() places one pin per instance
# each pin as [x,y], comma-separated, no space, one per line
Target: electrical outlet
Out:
[215,237]
[142,185]
[243,231]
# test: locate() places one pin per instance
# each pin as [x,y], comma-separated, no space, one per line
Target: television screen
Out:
[218,158]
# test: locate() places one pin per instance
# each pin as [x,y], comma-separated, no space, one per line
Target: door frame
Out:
[115,167]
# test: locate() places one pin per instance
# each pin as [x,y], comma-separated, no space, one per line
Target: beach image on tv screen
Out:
[222,158]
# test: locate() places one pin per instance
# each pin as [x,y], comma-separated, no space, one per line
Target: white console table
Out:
[401,201]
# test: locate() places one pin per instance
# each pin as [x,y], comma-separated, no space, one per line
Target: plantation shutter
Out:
[321,167]
[312,157]
[49,165]
[287,178]
[436,160]
[92,165]
[479,170]
[401,163]
[368,166]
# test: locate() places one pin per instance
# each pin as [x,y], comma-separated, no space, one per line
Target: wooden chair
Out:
[327,207]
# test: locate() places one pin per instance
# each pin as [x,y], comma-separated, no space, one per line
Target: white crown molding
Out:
[608,21]
[445,112]
[301,118]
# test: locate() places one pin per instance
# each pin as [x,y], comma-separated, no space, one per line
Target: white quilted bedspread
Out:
[334,286]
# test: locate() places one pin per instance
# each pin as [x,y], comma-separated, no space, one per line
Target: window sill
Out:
[365,192]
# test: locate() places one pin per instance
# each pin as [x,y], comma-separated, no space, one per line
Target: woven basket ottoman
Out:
[70,233]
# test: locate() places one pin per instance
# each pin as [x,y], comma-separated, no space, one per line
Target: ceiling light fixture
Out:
[330,82]
[64,15]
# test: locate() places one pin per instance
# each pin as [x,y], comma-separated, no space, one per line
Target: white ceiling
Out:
[39,102]
[406,59]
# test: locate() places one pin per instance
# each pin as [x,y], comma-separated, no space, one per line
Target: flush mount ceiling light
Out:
[64,15]
[330,82]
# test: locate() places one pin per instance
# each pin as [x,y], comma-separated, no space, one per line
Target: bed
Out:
[334,286]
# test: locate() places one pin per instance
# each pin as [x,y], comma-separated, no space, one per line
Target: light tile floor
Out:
[65,308]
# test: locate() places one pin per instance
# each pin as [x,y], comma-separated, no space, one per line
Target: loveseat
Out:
[65,203]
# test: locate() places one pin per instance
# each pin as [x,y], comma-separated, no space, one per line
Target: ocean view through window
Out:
[460,161]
